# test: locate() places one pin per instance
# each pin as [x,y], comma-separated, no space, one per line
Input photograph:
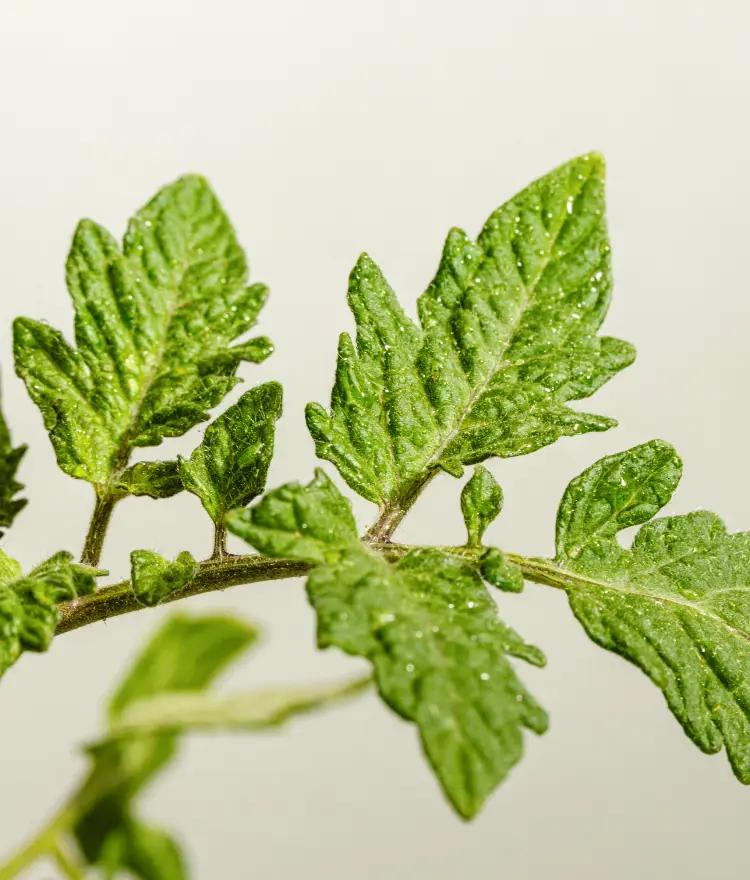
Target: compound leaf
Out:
[507,337]
[676,604]
[154,323]
[427,625]
[229,467]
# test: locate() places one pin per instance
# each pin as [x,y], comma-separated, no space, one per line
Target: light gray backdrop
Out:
[330,127]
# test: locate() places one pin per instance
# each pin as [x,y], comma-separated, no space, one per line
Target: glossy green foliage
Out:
[499,571]
[507,337]
[157,479]
[481,503]
[10,458]
[677,604]
[185,655]
[154,578]
[427,625]
[229,467]
[154,325]
[28,612]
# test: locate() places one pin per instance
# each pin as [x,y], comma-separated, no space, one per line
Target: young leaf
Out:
[28,605]
[185,655]
[481,503]
[154,578]
[677,604]
[427,625]
[229,467]
[157,479]
[507,337]
[154,323]
[499,571]
[10,458]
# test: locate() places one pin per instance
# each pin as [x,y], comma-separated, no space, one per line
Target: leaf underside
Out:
[154,325]
[427,625]
[676,604]
[507,337]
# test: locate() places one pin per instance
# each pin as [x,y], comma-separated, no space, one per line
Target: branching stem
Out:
[218,574]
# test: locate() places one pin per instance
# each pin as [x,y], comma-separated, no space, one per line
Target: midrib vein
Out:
[444,441]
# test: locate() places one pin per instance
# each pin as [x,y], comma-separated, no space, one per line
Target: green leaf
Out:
[312,523]
[507,337]
[426,623]
[185,655]
[157,479]
[154,578]
[499,571]
[28,605]
[481,503]
[146,852]
[10,458]
[229,467]
[676,604]
[154,323]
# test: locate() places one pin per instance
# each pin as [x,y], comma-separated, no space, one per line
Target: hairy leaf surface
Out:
[154,326]
[154,578]
[10,458]
[427,625]
[229,467]
[481,503]
[28,604]
[507,337]
[676,604]
[157,479]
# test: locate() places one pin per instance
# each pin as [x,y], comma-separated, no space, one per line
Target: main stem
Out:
[218,574]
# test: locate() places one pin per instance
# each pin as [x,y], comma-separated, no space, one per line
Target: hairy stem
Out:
[213,574]
[220,542]
[218,574]
[92,547]
[393,512]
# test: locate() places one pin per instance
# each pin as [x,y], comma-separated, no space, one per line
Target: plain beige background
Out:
[329,127]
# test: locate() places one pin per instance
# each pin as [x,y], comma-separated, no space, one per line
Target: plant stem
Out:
[213,574]
[65,861]
[44,843]
[218,574]
[393,512]
[92,547]
[220,542]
